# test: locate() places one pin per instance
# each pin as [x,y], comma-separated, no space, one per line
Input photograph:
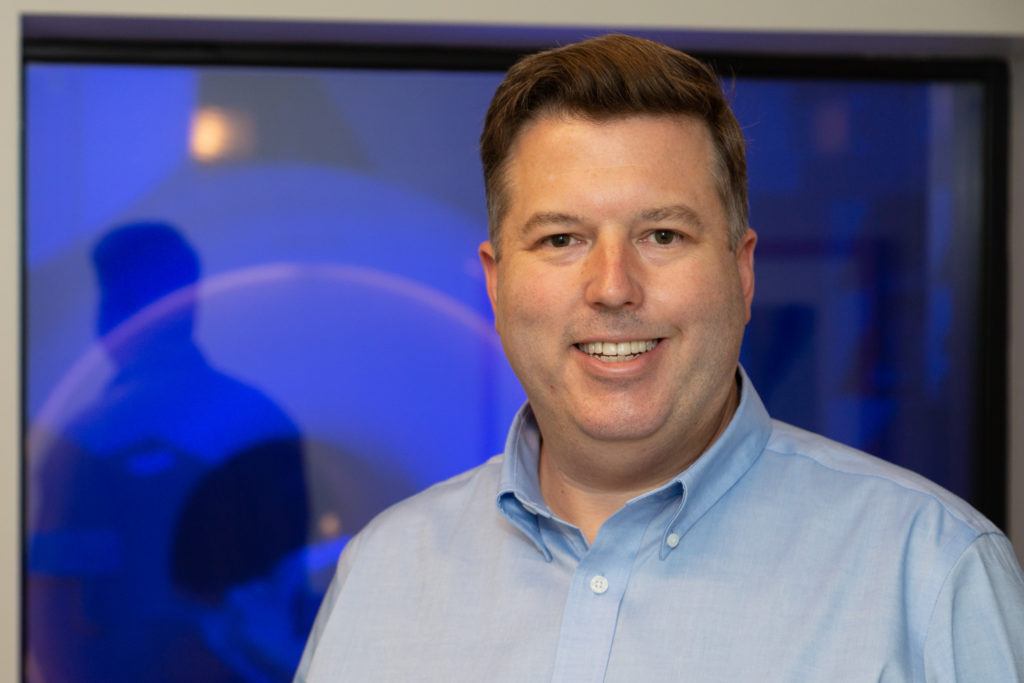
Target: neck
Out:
[586,482]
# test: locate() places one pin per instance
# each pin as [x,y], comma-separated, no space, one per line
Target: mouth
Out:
[617,352]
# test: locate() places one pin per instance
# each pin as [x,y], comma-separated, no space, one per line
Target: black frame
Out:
[991,361]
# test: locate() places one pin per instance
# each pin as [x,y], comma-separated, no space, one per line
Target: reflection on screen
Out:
[256,318]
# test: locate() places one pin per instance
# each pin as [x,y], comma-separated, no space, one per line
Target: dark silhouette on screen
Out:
[178,484]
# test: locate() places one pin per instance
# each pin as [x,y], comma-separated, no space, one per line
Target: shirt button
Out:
[672,540]
[599,584]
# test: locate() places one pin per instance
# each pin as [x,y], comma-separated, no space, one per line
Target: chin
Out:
[621,427]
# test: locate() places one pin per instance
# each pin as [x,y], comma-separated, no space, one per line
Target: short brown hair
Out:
[607,77]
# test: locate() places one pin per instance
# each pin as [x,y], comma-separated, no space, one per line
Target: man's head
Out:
[137,266]
[625,279]
[605,78]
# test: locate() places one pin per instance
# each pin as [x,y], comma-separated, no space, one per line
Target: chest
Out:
[710,610]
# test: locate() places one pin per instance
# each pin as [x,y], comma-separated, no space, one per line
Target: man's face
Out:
[617,297]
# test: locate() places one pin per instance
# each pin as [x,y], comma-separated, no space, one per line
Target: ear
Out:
[745,267]
[490,263]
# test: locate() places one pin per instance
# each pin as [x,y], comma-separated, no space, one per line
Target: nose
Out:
[613,275]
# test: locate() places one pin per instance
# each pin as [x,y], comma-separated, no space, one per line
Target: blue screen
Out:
[255,318]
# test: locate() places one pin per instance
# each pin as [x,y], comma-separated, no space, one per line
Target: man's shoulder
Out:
[440,507]
[877,482]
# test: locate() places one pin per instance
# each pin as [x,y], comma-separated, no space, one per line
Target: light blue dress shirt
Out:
[777,556]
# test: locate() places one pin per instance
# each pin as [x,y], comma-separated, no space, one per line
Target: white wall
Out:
[937,17]
[983,27]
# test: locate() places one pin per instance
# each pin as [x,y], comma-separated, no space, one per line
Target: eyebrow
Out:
[678,212]
[550,218]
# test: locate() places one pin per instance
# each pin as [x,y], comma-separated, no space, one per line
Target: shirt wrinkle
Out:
[942,585]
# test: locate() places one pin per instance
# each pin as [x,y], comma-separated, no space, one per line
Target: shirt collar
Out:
[519,497]
[700,485]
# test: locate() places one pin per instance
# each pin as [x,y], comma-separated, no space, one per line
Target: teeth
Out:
[616,352]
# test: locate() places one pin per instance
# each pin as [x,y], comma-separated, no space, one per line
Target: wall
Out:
[982,17]
[982,27]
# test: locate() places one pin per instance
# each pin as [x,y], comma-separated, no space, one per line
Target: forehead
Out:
[560,160]
[555,125]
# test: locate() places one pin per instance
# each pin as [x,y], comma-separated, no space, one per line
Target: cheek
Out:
[705,296]
[523,304]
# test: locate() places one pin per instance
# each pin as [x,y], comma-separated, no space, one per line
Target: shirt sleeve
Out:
[976,631]
[323,615]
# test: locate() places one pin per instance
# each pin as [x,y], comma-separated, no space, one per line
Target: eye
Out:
[559,241]
[665,237]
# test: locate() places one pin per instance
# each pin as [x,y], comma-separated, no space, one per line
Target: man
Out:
[651,521]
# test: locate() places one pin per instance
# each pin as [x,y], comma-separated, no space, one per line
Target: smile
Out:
[617,352]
